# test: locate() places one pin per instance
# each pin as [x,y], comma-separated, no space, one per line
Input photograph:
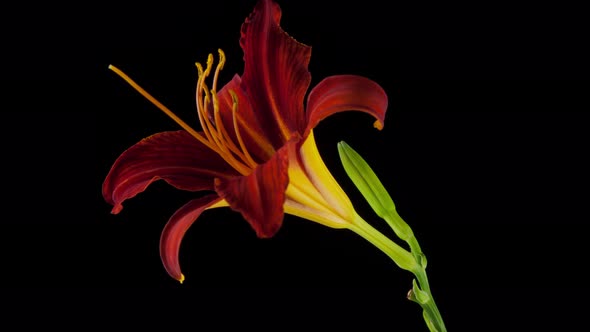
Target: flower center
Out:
[216,137]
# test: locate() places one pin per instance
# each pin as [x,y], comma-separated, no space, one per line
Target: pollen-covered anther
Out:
[210,117]
[218,69]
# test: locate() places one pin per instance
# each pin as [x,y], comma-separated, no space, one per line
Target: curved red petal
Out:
[275,73]
[175,229]
[345,93]
[175,156]
[260,196]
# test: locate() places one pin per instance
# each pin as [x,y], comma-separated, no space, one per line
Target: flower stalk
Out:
[376,195]
[399,255]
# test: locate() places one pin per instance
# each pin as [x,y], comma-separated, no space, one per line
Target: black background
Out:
[483,151]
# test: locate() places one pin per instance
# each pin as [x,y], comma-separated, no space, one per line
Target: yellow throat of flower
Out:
[313,193]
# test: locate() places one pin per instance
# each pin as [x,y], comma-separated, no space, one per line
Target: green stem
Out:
[413,261]
[399,255]
[432,315]
[376,195]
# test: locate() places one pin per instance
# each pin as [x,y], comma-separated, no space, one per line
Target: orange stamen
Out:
[215,136]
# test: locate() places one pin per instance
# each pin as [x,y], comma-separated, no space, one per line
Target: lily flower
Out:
[255,152]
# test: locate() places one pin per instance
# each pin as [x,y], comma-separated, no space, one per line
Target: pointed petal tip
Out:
[116,209]
[175,229]
[341,93]
[378,124]
[269,232]
[175,157]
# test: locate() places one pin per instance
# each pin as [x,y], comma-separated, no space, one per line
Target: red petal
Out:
[345,93]
[259,197]
[175,229]
[176,157]
[275,73]
[250,130]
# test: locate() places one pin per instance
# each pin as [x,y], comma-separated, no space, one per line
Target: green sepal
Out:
[417,295]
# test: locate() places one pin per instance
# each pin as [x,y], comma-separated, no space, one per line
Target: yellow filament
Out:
[224,143]
[208,127]
[221,132]
[212,125]
[234,111]
[161,107]
[202,103]
[200,100]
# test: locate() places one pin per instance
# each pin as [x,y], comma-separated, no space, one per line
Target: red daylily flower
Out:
[256,152]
